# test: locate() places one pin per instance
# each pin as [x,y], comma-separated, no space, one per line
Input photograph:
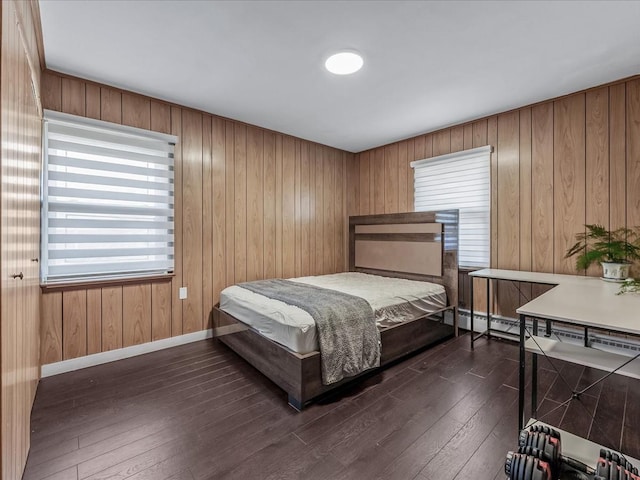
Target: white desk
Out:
[514,276]
[576,300]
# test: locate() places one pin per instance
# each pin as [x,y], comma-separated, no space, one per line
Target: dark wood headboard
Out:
[416,245]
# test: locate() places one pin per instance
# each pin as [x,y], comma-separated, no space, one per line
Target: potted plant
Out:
[613,249]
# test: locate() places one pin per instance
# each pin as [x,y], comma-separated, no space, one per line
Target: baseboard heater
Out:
[508,327]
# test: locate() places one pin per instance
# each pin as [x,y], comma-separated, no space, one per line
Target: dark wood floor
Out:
[199,412]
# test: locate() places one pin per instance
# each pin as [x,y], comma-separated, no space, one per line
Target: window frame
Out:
[106,128]
[480,154]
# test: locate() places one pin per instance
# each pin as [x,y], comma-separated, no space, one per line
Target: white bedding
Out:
[394,300]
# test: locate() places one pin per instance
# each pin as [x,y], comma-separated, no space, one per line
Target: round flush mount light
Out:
[344,63]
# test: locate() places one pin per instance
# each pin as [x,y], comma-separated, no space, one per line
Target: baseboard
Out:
[126,352]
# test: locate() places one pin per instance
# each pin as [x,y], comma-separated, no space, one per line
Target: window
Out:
[107,201]
[459,181]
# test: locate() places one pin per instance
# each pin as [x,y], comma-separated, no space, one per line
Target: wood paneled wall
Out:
[20,230]
[250,204]
[556,166]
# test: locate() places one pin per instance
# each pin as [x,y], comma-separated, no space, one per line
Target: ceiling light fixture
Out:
[344,63]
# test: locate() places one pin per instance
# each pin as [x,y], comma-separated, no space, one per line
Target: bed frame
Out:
[417,246]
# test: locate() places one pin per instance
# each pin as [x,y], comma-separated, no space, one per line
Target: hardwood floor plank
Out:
[199,412]
[455,454]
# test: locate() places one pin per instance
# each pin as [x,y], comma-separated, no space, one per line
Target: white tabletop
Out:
[586,301]
[521,276]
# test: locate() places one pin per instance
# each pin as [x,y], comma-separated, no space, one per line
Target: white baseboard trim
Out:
[126,352]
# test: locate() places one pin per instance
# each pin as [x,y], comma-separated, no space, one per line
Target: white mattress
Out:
[394,300]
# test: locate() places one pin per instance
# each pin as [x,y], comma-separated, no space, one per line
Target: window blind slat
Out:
[102,238]
[112,267]
[107,181]
[63,207]
[105,253]
[459,181]
[92,194]
[107,152]
[146,171]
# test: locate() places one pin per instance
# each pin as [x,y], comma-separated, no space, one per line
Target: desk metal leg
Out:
[488,308]
[522,373]
[534,377]
[473,333]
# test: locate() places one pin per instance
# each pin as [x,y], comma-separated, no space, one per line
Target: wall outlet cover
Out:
[182,293]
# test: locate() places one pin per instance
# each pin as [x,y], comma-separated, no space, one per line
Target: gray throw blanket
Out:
[347,333]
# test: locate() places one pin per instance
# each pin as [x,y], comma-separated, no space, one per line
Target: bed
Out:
[403,265]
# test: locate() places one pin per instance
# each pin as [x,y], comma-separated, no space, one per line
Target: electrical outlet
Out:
[182,293]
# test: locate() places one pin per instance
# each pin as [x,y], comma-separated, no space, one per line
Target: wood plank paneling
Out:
[255,204]
[633,153]
[94,321]
[192,227]
[136,314]
[269,204]
[73,96]
[508,216]
[391,174]
[160,310]
[51,328]
[74,324]
[240,201]
[542,211]
[110,105]
[597,161]
[617,156]
[365,172]
[136,111]
[111,318]
[569,177]
[319,212]
[378,180]
[207,224]
[403,177]
[525,200]
[93,101]
[288,207]
[218,167]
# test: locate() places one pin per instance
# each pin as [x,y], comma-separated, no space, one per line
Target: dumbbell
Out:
[542,442]
[520,466]
[612,466]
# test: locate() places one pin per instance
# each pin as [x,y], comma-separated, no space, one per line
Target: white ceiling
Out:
[428,64]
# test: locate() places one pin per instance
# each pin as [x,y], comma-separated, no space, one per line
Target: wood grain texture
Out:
[136,111]
[111,318]
[255,204]
[110,105]
[136,314]
[160,310]
[51,328]
[597,161]
[207,223]
[249,203]
[92,106]
[617,156]
[192,224]
[94,321]
[569,177]
[74,324]
[633,153]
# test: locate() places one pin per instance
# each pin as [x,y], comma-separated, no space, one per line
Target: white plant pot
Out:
[615,272]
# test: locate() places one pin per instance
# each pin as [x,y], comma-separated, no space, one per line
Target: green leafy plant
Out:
[598,244]
[629,286]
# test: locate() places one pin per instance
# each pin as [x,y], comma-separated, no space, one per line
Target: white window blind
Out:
[459,181]
[107,200]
